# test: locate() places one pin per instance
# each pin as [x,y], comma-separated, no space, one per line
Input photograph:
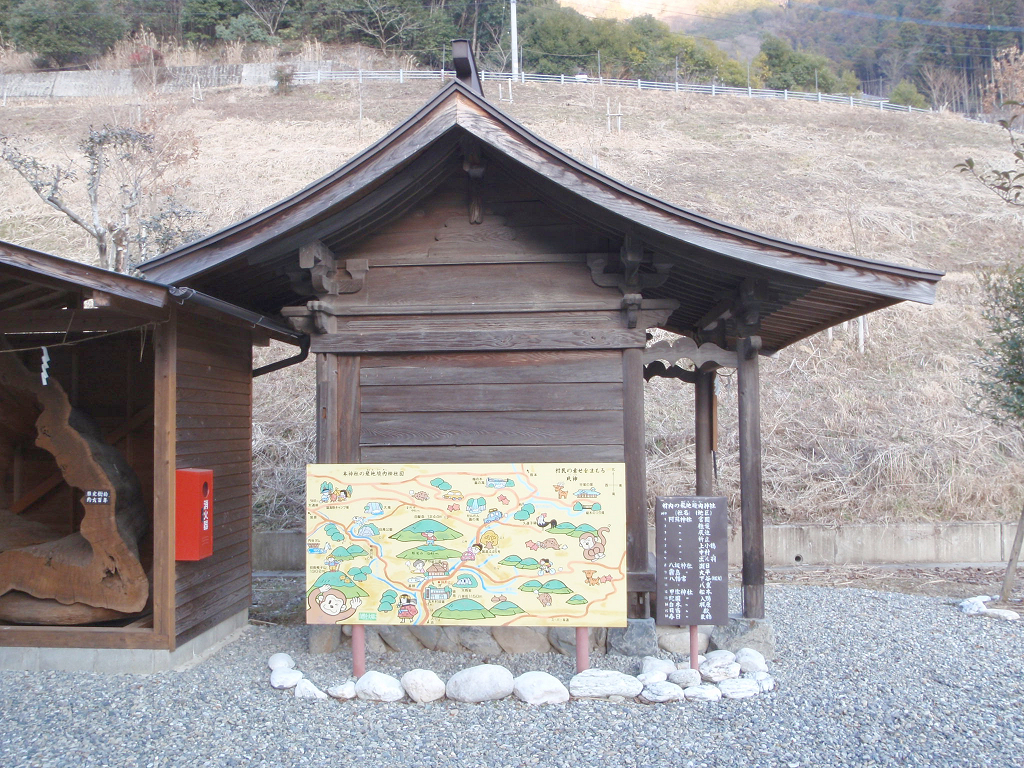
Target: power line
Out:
[904,20]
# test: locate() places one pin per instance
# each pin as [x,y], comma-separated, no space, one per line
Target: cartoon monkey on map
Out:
[332,604]
[593,543]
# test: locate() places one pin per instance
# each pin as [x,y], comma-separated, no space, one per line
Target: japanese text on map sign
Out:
[693,561]
[466,544]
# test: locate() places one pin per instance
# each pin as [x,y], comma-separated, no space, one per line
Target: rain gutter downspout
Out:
[192,296]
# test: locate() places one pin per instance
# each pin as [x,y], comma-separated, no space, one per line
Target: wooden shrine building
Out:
[472,293]
[108,385]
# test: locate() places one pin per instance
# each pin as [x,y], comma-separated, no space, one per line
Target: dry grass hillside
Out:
[883,435]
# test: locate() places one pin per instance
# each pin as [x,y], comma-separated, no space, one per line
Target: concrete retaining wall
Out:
[124,82]
[784,545]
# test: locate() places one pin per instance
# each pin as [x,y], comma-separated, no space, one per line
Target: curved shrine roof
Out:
[801,289]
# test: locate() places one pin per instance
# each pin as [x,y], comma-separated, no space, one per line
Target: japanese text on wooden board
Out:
[693,561]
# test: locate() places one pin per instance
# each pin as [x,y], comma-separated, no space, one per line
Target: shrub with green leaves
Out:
[906,94]
[1002,354]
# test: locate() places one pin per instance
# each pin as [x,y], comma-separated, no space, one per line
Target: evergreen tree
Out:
[199,18]
[65,32]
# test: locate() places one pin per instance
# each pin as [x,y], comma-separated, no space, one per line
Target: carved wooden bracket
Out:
[631,303]
[631,258]
[329,275]
[741,310]
[685,348]
[659,370]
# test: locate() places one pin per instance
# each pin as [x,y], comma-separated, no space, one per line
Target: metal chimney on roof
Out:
[465,66]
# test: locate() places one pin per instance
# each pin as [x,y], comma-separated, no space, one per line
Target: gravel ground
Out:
[865,678]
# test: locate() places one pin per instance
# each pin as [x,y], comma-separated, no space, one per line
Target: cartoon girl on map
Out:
[407,609]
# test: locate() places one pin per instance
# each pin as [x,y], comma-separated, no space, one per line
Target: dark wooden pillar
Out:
[337,408]
[337,442]
[704,419]
[748,385]
[636,474]
[165,462]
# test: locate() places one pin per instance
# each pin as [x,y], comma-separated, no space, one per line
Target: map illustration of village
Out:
[466,544]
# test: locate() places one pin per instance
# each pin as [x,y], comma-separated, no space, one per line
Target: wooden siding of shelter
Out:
[213,430]
[482,342]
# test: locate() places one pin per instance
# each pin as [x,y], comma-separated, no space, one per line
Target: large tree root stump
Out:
[98,565]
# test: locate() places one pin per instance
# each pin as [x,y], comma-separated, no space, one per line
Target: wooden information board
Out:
[693,560]
[466,544]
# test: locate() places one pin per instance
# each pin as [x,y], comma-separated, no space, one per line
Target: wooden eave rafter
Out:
[397,171]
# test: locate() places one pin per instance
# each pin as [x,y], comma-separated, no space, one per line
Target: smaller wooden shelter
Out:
[108,385]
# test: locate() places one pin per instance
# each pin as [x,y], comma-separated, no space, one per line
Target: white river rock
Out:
[751,660]
[423,685]
[305,689]
[685,678]
[376,686]
[739,688]
[281,660]
[658,693]
[343,691]
[654,664]
[703,692]
[540,688]
[484,682]
[602,683]
[284,677]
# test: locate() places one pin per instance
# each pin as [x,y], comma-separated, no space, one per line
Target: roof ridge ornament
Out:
[465,66]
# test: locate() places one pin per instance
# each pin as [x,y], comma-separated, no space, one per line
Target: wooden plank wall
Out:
[214,431]
[491,406]
[483,342]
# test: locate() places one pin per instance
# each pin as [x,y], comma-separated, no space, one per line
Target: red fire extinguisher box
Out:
[193,514]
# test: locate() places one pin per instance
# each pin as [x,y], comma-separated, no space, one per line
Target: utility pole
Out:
[515,41]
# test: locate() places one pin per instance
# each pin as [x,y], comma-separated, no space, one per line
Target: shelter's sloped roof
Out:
[43,293]
[33,280]
[804,289]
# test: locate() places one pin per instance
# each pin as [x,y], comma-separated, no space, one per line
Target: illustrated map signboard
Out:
[693,560]
[466,544]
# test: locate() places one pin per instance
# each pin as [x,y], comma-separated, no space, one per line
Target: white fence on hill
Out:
[400,75]
[125,82]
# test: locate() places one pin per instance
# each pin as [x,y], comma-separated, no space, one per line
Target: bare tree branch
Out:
[132,211]
[269,12]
